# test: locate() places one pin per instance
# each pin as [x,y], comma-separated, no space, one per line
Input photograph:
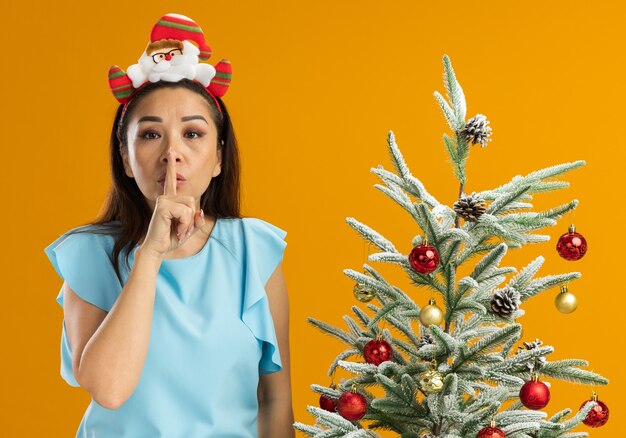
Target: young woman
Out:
[175,306]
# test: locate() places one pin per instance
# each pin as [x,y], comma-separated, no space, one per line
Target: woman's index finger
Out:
[170,178]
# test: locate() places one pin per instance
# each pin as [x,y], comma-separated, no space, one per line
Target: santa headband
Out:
[170,56]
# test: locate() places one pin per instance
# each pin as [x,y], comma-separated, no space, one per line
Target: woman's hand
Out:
[174,219]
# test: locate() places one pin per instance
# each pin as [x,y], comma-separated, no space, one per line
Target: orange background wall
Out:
[316,88]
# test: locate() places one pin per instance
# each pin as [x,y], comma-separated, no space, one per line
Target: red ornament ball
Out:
[598,415]
[572,245]
[534,394]
[377,351]
[424,259]
[328,403]
[491,432]
[352,406]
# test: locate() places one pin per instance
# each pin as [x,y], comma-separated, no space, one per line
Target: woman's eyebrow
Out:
[150,119]
[182,119]
[194,117]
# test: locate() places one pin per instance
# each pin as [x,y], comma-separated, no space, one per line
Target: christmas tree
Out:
[460,376]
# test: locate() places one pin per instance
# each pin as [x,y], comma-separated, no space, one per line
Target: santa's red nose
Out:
[168,57]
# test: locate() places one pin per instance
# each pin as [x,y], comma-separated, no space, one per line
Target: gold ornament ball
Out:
[363,293]
[566,301]
[431,314]
[431,381]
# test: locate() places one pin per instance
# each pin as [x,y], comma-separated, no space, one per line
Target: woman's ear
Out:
[127,169]
[218,167]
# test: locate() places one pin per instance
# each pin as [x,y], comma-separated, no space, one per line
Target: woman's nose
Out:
[173,143]
[172,153]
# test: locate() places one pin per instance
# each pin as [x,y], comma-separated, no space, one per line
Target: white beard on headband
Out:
[183,66]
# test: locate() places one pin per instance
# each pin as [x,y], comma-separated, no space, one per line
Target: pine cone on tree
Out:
[470,207]
[532,365]
[477,130]
[530,345]
[425,340]
[505,301]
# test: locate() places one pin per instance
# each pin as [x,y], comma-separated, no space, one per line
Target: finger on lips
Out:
[170,177]
[170,189]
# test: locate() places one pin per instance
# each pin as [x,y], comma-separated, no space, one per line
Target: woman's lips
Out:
[179,182]
[178,176]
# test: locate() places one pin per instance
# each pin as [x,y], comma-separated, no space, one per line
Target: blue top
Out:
[212,332]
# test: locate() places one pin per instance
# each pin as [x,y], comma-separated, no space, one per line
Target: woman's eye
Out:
[193,134]
[150,135]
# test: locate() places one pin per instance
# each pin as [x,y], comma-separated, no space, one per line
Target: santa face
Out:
[163,60]
[182,130]
[168,63]
[158,56]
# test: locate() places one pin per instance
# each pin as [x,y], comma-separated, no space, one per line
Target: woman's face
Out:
[172,124]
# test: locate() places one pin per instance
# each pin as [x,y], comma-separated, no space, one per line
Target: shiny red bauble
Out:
[491,432]
[598,415]
[328,404]
[377,351]
[535,394]
[424,259]
[571,245]
[352,406]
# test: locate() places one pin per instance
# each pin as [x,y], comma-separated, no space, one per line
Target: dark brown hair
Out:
[126,214]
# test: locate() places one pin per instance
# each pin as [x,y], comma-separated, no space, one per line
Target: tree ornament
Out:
[424,258]
[491,432]
[470,207]
[377,351]
[431,314]
[572,245]
[598,415]
[476,130]
[352,405]
[566,301]
[431,381]
[505,302]
[363,293]
[534,394]
[327,403]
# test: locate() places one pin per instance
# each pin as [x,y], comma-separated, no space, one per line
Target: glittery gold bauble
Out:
[566,301]
[431,314]
[431,381]
[363,293]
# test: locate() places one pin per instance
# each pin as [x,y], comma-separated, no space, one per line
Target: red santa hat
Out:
[181,28]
